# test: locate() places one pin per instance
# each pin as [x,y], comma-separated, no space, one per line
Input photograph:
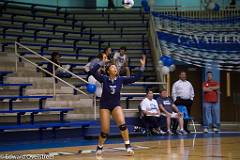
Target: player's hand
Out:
[143,60]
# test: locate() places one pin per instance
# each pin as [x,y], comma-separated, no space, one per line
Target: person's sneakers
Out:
[129,149]
[169,132]
[216,130]
[182,132]
[99,150]
[155,131]
[161,132]
[205,130]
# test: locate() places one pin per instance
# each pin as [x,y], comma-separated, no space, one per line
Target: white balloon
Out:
[172,68]
[165,70]
[160,63]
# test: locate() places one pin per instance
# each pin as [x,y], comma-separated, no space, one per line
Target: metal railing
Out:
[156,50]
[19,45]
[193,13]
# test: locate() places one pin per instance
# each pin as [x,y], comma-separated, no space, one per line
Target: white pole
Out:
[16,60]
[54,81]
[95,106]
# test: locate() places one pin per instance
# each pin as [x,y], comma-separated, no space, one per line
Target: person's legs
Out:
[169,125]
[148,122]
[188,103]
[156,125]
[206,116]
[105,124]
[180,121]
[119,118]
[215,115]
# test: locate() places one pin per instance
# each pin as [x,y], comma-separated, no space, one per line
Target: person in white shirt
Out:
[150,109]
[183,94]
[120,59]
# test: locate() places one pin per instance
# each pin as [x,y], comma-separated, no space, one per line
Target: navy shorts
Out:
[110,108]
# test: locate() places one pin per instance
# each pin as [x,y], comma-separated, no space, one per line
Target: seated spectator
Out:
[55,57]
[170,111]
[151,112]
[120,59]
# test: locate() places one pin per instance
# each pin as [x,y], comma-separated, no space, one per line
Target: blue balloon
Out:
[167,61]
[216,7]
[163,58]
[91,88]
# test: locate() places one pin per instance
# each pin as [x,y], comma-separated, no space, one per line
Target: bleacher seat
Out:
[21,86]
[21,112]
[14,98]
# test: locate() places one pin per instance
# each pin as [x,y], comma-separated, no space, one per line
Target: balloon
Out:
[168,62]
[163,58]
[91,88]
[172,68]
[160,63]
[165,70]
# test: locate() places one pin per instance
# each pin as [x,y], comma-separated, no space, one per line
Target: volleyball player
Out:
[110,101]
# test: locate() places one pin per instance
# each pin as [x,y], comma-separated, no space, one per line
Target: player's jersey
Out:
[112,88]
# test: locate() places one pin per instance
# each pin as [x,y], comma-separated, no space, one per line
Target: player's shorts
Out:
[110,108]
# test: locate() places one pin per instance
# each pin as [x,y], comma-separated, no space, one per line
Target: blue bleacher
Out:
[21,86]
[41,126]
[14,98]
[21,112]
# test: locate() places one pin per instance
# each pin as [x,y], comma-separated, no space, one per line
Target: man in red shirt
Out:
[211,110]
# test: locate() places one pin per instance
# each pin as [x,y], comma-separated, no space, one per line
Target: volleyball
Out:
[127,4]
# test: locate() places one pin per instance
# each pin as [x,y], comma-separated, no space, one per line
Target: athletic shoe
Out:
[205,130]
[216,130]
[161,132]
[99,150]
[182,132]
[129,149]
[169,132]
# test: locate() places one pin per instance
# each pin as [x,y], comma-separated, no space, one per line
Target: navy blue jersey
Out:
[112,88]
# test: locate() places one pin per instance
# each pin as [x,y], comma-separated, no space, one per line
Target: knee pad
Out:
[103,135]
[122,127]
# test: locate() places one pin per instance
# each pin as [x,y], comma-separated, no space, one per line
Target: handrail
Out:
[155,47]
[54,64]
